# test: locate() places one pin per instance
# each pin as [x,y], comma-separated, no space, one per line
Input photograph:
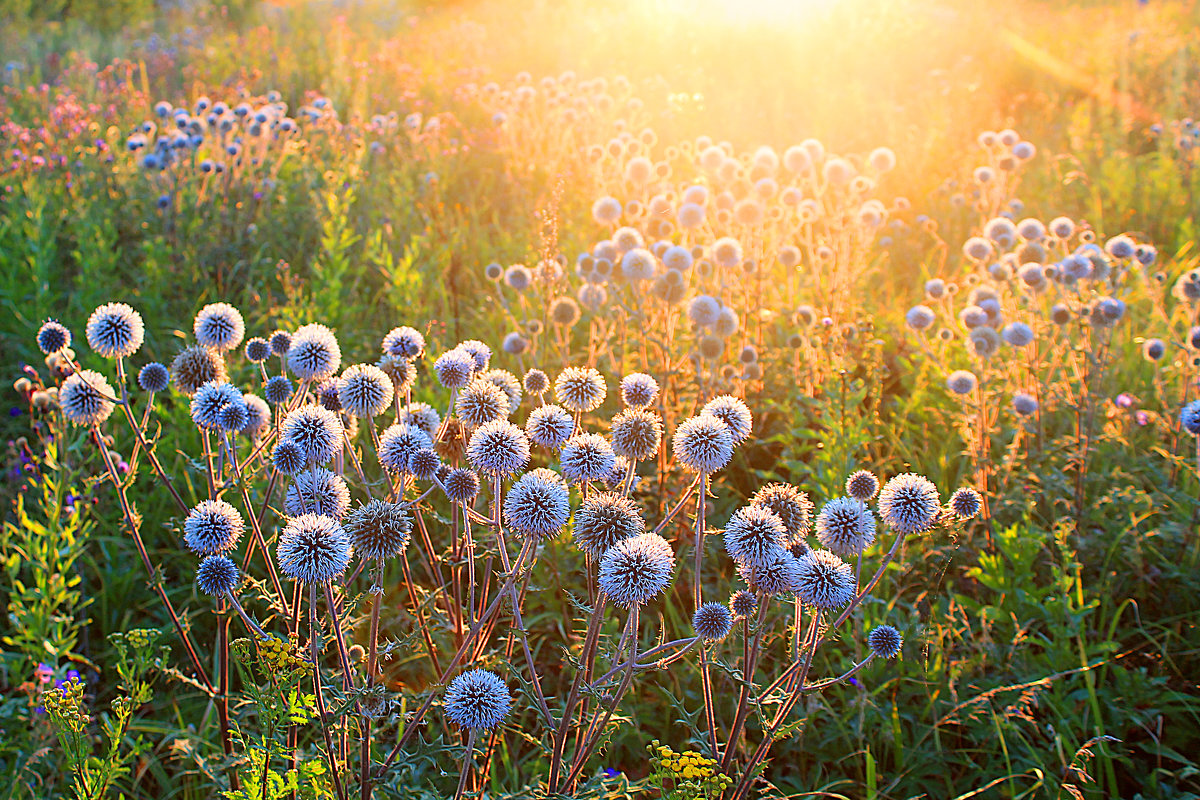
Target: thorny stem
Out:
[589,647]
[315,651]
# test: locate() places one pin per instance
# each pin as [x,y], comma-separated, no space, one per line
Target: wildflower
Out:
[638,264]
[423,416]
[424,463]
[824,581]
[213,527]
[507,383]
[314,353]
[365,390]
[481,401]
[909,503]
[636,569]
[846,526]
[791,505]
[712,622]
[961,382]
[454,368]
[537,505]
[580,389]
[549,426]
[862,485]
[257,350]
[1189,418]
[742,604]
[217,576]
[1017,334]
[703,310]
[518,277]
[703,444]
[606,210]
[210,400]
[281,343]
[636,433]
[53,337]
[316,430]
[536,382]
[114,330]
[154,377]
[1024,404]
[288,457]
[605,519]
[639,390]
[219,326]
[885,641]
[586,457]
[278,390]
[1154,349]
[404,342]
[398,443]
[317,491]
[498,448]
[313,549]
[727,323]
[734,413]
[195,366]
[478,351]
[461,485]
[379,529]
[476,700]
[85,398]
[258,415]
[965,502]
[754,535]
[779,574]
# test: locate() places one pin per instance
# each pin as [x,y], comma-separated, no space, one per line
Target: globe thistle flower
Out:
[481,401]
[424,463]
[454,368]
[727,323]
[791,505]
[639,390]
[364,390]
[493,271]
[909,503]
[638,264]
[825,581]
[518,277]
[636,433]
[606,210]
[327,395]
[53,337]
[219,326]
[636,569]
[605,519]
[379,529]
[86,398]
[742,604]
[536,382]
[727,252]
[778,574]
[1187,287]
[281,343]
[498,448]
[885,641]
[278,390]
[479,351]
[288,457]
[580,389]
[318,432]
[213,527]
[537,505]
[217,576]
[712,622]
[507,383]
[314,353]
[961,382]
[461,485]
[1120,247]
[154,377]
[477,700]
[208,402]
[755,535]
[514,343]
[703,444]
[313,549]
[1189,418]
[846,526]
[114,330]
[734,413]
[549,426]
[423,416]
[402,372]
[587,457]
[862,485]
[398,443]
[233,417]
[704,310]
[965,503]
[257,350]
[1017,334]
[920,318]
[1024,404]
[331,496]
[258,415]
[404,342]
[1154,349]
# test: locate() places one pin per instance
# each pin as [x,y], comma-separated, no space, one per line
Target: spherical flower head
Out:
[1189,418]
[634,570]
[712,622]
[219,326]
[423,416]
[258,415]
[1017,334]
[734,413]
[209,402]
[825,581]
[580,389]
[281,343]
[85,398]
[481,401]
[742,604]
[318,431]
[506,382]
[703,444]
[288,457]
[258,350]
[606,210]
[114,330]
[537,504]
[961,382]
[154,377]
[1024,404]
[313,549]
[780,574]
[217,576]
[365,390]
[727,252]
[639,390]
[278,390]
[196,366]
[920,318]
[846,526]
[965,503]
[401,371]
[398,443]
[754,535]
[461,485]
[909,503]
[727,323]
[586,457]
[862,485]
[479,351]
[477,700]
[518,277]
[605,519]
[1120,247]
[704,310]
[636,433]
[327,395]
[213,527]
[314,353]
[379,529]
[454,368]
[233,417]
[331,496]
[1154,349]
[791,505]
[885,641]
[638,264]
[498,448]
[550,426]
[404,342]
[536,382]
[53,337]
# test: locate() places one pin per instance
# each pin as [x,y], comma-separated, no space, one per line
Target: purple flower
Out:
[1141,417]
[14,412]
[853,681]
[609,772]
[1125,400]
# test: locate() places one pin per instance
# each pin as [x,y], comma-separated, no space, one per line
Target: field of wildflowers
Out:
[565,400]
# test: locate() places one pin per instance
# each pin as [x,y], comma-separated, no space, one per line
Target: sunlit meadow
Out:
[665,399]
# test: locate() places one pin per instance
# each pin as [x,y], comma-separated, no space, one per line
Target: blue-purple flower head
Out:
[550,426]
[424,463]
[479,351]
[791,505]
[636,433]
[639,390]
[313,549]
[703,444]
[537,504]
[317,491]
[481,401]
[314,353]
[114,330]
[278,390]
[1189,418]
[778,574]
[862,485]
[364,390]
[154,377]
[423,416]
[258,415]
[404,342]
[635,570]
[909,503]
[586,457]
[734,413]
[454,368]
[498,448]
[398,443]
[754,535]
[885,641]
[824,581]
[712,622]
[219,326]
[257,350]
[580,389]
[605,519]
[536,382]
[846,526]
[477,700]
[217,576]
[742,604]
[211,400]
[380,529]
[461,485]
[53,337]
[281,343]
[213,527]
[965,503]
[288,457]
[86,398]
[507,383]
[317,431]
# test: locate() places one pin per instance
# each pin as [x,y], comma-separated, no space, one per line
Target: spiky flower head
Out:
[477,700]
[258,415]
[479,351]
[825,581]
[330,497]
[364,390]
[755,535]
[965,503]
[961,381]
[404,342]
[257,350]
[846,526]
[580,389]
[217,576]
[481,401]
[507,383]
[313,549]
[233,417]
[278,390]
[461,485]
[318,431]
[498,448]
[210,400]
[586,457]
[862,485]
[115,330]
[53,337]
[703,444]
[636,433]
[1189,418]
[536,382]
[909,503]
[423,416]
[780,574]
[712,622]
[565,311]
[213,527]
[742,604]
[639,390]
[885,641]
[605,519]
[537,505]
[86,398]
[314,353]
[549,426]
[219,326]
[288,457]
[281,343]
[454,368]
[327,395]
[634,570]
[401,371]
[398,443]
[154,377]
[424,463]
[379,529]
[791,505]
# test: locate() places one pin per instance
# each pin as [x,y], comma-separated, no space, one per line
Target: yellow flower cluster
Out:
[66,705]
[275,655]
[695,774]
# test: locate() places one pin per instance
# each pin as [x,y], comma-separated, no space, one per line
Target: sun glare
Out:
[750,11]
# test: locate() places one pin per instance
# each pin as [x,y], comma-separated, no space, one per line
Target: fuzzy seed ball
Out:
[397,445]
[862,485]
[536,382]
[791,505]
[317,431]
[965,503]
[314,353]
[196,366]
[461,485]
[258,350]
[498,448]
[586,457]
[742,604]
[330,497]
[734,413]
[404,342]
[639,390]
[755,535]
[365,390]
